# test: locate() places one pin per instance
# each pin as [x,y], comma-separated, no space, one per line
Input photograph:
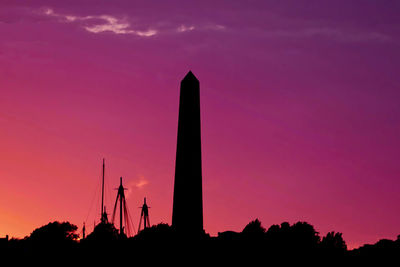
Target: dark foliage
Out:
[333,243]
[49,241]
[103,232]
[383,252]
[54,233]
[157,233]
[297,243]
[254,230]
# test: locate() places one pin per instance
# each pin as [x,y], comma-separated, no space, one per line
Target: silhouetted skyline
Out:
[298,244]
[299,108]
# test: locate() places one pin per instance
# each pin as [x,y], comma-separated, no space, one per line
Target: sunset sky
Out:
[300,111]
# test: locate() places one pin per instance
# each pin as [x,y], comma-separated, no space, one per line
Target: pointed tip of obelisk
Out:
[190,77]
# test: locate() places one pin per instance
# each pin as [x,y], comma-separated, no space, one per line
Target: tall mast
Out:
[122,199]
[145,216]
[123,211]
[102,196]
[83,231]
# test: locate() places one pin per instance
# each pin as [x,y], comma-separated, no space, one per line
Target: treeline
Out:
[285,243]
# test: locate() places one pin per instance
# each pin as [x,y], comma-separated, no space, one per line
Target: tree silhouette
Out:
[299,243]
[54,232]
[333,243]
[50,241]
[277,236]
[156,233]
[103,232]
[303,236]
[254,229]
[299,237]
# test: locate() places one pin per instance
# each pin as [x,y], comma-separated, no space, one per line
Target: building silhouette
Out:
[187,214]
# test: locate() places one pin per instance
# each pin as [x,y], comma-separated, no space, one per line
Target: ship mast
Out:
[123,212]
[144,215]
[103,218]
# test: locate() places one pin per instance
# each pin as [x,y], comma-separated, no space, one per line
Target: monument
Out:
[187,214]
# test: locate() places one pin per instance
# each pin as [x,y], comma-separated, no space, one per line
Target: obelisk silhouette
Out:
[187,214]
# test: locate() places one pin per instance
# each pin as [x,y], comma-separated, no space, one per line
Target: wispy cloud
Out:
[137,184]
[141,183]
[111,24]
[336,34]
[146,33]
[106,23]
[101,23]
[184,28]
[217,27]
[347,36]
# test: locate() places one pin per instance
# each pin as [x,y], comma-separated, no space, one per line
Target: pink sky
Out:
[300,111]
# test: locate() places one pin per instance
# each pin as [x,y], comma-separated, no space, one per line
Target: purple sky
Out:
[300,110]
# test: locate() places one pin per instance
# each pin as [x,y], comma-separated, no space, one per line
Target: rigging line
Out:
[127,220]
[130,218]
[127,228]
[140,222]
[107,195]
[148,217]
[92,201]
[115,208]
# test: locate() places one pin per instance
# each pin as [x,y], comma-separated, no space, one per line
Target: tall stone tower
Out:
[187,214]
